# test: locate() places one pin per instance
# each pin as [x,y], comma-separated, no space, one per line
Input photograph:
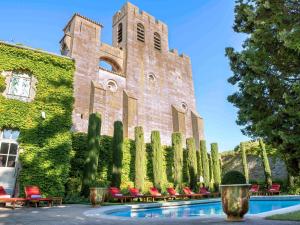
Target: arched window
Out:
[120,32]
[140,32]
[157,41]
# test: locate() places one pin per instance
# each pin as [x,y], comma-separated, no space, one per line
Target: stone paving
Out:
[73,214]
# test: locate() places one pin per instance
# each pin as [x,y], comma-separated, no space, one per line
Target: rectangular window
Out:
[20,85]
[8,147]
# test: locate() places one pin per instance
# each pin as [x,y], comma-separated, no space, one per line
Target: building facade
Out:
[148,84]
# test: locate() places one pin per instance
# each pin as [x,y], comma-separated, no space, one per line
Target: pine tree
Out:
[192,162]
[244,160]
[266,164]
[216,164]
[157,159]
[178,158]
[91,159]
[205,163]
[117,154]
[140,158]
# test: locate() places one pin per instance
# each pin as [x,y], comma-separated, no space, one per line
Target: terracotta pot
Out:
[97,195]
[235,200]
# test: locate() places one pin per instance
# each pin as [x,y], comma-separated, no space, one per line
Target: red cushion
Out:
[114,190]
[2,191]
[134,191]
[187,190]
[154,191]
[203,190]
[32,190]
[171,191]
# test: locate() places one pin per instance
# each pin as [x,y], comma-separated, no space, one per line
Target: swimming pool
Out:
[207,209]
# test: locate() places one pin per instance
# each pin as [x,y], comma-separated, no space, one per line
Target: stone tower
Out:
[148,84]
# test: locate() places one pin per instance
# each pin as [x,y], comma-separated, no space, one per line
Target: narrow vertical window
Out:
[140,32]
[157,41]
[120,32]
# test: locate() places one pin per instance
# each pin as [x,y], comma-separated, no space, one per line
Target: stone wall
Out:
[256,170]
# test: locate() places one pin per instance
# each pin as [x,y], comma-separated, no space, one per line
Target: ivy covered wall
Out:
[45,144]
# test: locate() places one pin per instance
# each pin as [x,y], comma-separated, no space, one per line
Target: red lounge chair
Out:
[191,194]
[115,193]
[274,189]
[173,194]
[204,192]
[6,198]
[156,194]
[34,195]
[134,192]
[254,189]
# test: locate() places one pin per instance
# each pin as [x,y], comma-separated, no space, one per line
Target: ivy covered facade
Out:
[36,103]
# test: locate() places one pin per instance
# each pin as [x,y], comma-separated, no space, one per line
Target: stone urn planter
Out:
[97,195]
[235,197]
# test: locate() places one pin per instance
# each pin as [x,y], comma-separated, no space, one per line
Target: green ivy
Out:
[45,143]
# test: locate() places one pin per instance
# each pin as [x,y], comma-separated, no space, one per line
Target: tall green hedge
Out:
[244,161]
[205,163]
[92,155]
[178,158]
[157,159]
[211,173]
[266,164]
[140,158]
[117,154]
[199,163]
[192,162]
[216,164]
[46,143]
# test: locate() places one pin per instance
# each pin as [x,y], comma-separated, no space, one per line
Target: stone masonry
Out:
[148,85]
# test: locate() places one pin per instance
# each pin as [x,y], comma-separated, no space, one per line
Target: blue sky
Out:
[200,28]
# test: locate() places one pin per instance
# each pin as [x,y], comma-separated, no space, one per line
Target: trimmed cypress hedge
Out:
[117,154]
[192,163]
[266,164]
[205,163]
[216,164]
[140,157]
[178,158]
[244,161]
[199,163]
[91,158]
[157,159]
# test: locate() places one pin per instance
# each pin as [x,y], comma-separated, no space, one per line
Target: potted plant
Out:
[97,195]
[235,195]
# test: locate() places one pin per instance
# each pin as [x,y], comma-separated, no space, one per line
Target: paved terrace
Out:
[73,214]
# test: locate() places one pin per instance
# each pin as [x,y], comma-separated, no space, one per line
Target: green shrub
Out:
[91,159]
[2,83]
[216,164]
[199,164]
[205,163]
[244,160]
[117,154]
[140,157]
[234,177]
[192,162]
[157,159]
[178,158]
[266,164]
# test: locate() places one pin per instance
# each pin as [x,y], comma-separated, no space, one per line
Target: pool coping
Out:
[104,212]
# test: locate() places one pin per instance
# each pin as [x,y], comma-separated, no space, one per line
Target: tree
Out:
[216,164]
[244,161]
[91,159]
[178,158]
[205,163]
[199,163]
[140,157]
[157,159]
[267,74]
[211,173]
[191,162]
[117,154]
[266,164]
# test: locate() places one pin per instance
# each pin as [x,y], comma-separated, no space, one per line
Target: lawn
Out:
[294,216]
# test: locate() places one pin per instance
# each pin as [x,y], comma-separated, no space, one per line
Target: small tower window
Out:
[157,41]
[140,32]
[120,32]
[112,86]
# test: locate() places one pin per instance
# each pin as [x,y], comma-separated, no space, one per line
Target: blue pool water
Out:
[214,208]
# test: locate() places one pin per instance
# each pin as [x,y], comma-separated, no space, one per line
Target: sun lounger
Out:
[34,195]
